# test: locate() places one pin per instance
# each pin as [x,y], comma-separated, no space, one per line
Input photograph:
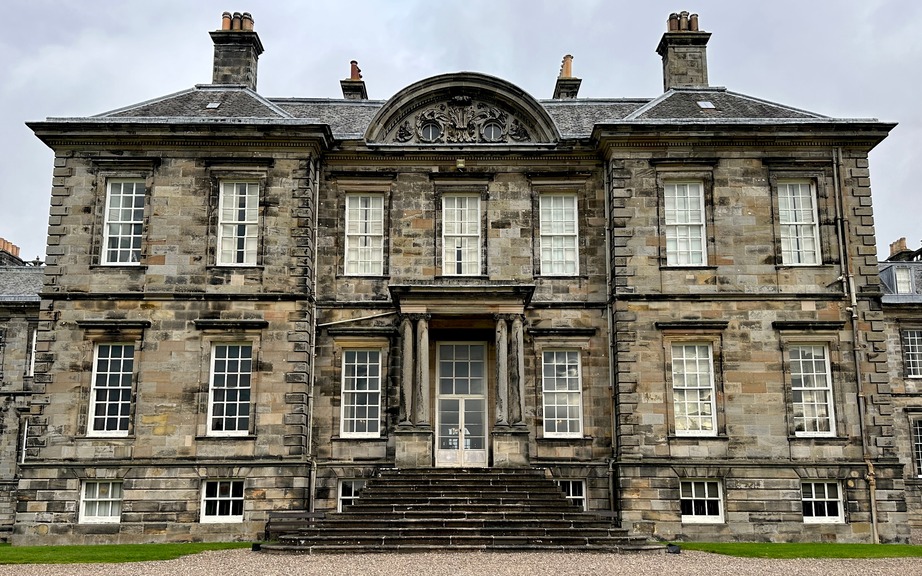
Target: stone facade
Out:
[901,284]
[19,301]
[669,305]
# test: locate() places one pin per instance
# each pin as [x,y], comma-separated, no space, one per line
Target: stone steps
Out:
[428,510]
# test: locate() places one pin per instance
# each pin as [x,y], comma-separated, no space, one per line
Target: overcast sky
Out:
[841,58]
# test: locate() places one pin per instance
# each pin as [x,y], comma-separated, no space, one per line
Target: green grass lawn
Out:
[106,553]
[807,550]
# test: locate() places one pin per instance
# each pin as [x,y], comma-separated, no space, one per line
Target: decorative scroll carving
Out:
[461,120]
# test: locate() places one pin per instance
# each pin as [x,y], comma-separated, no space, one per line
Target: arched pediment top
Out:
[463,108]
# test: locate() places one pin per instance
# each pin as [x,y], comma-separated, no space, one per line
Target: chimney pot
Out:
[683,21]
[566,67]
[247,22]
[898,246]
[353,86]
[355,73]
[693,22]
[226,21]
[236,23]
[672,24]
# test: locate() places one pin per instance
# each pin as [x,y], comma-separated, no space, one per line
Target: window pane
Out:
[798,221]
[238,223]
[361,393]
[230,389]
[110,394]
[559,253]
[912,353]
[684,224]
[562,393]
[811,391]
[693,390]
[461,241]
[124,218]
[222,501]
[364,234]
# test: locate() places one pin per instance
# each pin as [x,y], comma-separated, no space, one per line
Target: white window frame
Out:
[99,495]
[461,235]
[230,500]
[348,491]
[238,224]
[241,377]
[555,397]
[693,389]
[574,490]
[799,224]
[559,238]
[355,414]
[364,235]
[685,218]
[915,429]
[694,493]
[912,352]
[30,365]
[810,377]
[123,224]
[902,280]
[818,500]
[119,372]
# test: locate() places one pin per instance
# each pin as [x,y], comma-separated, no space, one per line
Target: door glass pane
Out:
[449,424]
[474,429]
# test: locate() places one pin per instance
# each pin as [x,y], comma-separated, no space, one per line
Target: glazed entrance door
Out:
[461,438]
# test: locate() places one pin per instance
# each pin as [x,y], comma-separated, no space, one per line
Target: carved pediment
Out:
[460,120]
[462,109]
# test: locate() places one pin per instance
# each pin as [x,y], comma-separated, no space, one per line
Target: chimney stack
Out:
[353,86]
[236,50]
[567,86]
[684,52]
[9,254]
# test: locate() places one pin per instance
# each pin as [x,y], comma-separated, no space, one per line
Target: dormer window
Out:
[903,278]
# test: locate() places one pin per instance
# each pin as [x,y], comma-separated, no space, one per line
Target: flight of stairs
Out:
[424,510]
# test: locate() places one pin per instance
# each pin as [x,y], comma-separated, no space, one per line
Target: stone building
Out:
[19,288]
[670,305]
[901,283]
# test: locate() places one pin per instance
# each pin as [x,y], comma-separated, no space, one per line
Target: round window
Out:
[492,132]
[430,131]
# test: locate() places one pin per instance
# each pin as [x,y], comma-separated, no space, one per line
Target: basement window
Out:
[574,491]
[349,489]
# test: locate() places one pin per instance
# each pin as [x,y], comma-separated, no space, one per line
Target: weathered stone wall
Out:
[17,320]
[411,190]
[749,307]
[173,306]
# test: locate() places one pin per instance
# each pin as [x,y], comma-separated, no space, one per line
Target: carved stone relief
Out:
[461,120]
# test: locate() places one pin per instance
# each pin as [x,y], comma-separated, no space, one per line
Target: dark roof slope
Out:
[350,119]
[203,102]
[715,103]
[20,283]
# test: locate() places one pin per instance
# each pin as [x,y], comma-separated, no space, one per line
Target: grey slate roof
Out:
[683,103]
[20,283]
[203,102]
[349,119]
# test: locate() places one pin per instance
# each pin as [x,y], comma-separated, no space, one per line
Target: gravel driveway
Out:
[247,563]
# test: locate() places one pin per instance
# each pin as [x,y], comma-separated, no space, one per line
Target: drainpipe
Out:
[613,481]
[312,474]
[848,285]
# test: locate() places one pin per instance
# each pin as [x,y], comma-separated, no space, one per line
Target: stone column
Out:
[421,406]
[406,372]
[517,372]
[502,372]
